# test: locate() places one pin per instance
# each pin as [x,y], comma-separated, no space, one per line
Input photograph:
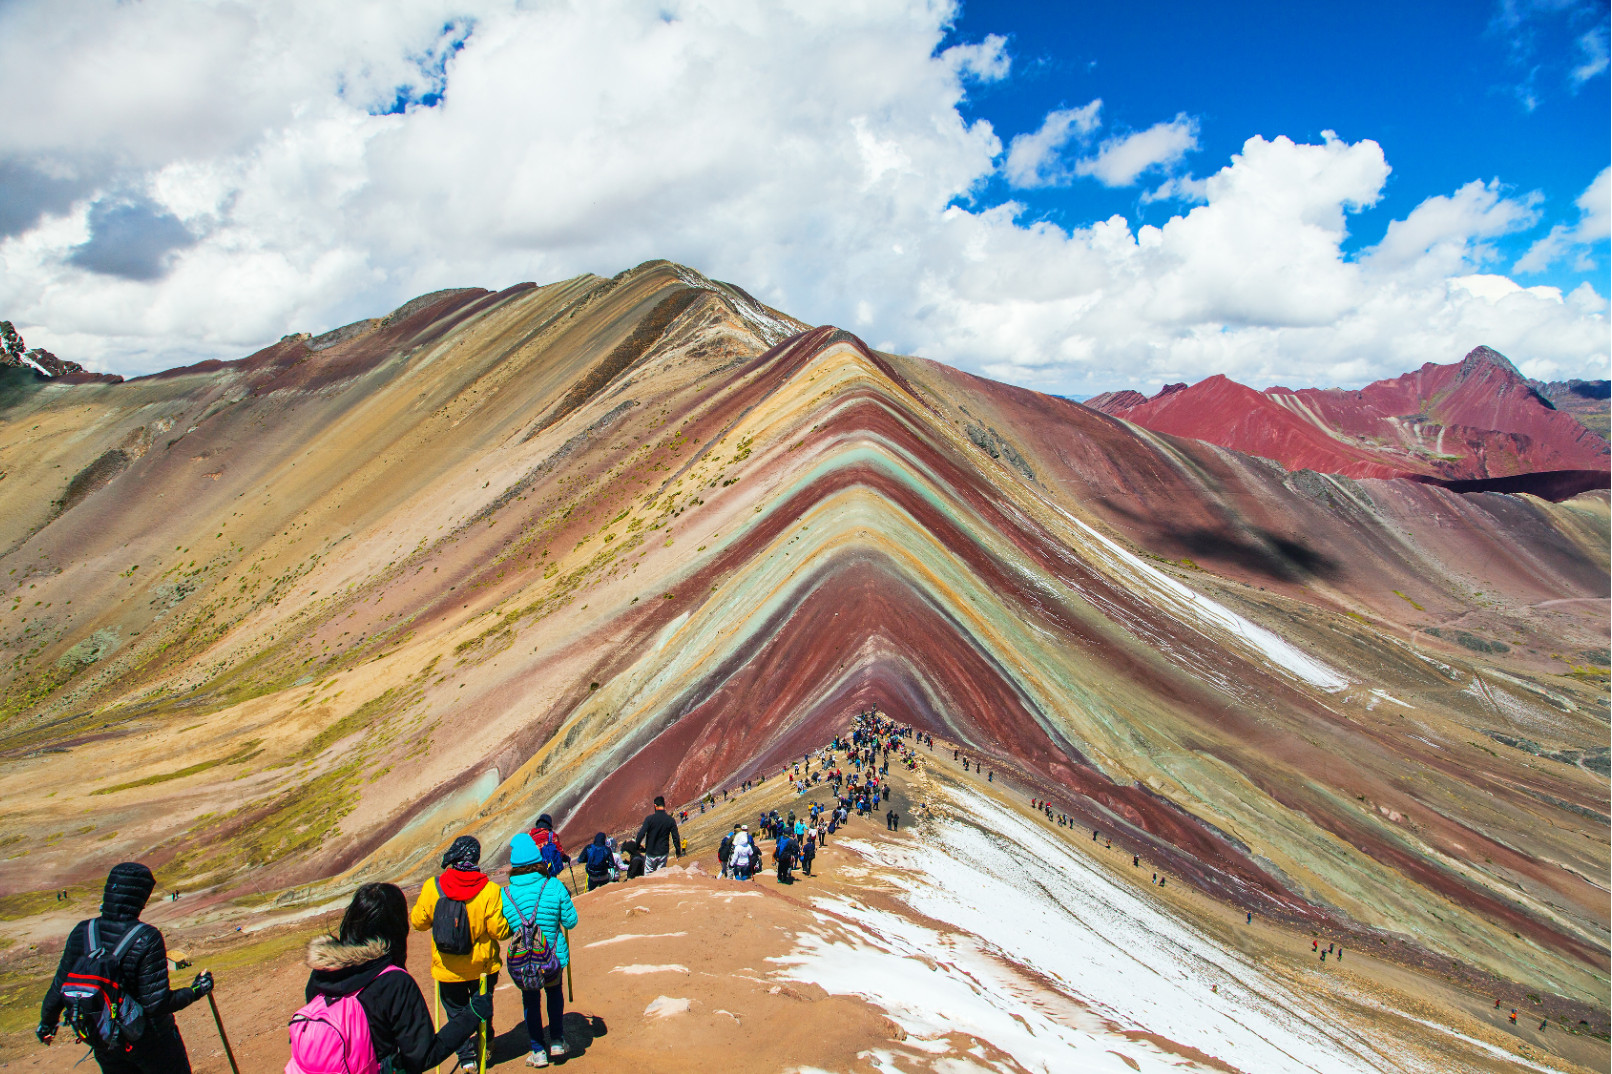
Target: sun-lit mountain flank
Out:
[278,624]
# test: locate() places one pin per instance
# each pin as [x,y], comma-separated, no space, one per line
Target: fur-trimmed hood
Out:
[329,953]
[340,969]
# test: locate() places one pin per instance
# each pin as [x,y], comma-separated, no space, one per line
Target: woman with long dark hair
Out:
[373,938]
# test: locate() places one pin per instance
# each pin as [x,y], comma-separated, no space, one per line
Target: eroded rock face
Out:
[562,548]
[1476,419]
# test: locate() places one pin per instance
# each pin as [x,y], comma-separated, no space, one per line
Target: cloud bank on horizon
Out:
[195,180]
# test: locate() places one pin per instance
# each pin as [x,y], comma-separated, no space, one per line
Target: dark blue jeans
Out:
[533,1001]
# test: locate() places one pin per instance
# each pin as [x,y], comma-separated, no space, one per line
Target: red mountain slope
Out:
[1474,420]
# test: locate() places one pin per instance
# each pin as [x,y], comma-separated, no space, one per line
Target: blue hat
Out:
[523,850]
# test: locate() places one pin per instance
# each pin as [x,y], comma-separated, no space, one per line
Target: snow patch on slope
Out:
[1055,963]
[1192,605]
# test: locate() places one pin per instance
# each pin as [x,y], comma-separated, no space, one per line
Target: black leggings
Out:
[554,996]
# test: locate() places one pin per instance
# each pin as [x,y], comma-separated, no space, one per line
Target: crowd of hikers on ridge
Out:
[363,1013]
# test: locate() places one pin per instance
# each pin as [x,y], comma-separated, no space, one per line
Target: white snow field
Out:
[1057,967]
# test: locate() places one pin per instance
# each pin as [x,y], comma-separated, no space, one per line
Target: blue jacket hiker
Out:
[532,896]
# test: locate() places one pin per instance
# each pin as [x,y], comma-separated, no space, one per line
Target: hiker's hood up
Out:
[340,969]
[128,886]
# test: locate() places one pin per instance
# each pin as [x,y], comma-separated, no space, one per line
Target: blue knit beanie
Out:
[522,850]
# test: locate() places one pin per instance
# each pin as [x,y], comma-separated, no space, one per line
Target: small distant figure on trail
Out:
[1161,881]
[658,836]
[1250,917]
[1155,879]
[1340,954]
[1513,1016]
[1542,1024]
[539,909]
[598,862]
[1315,945]
[119,957]
[364,965]
[1136,860]
[892,821]
[548,844]
[464,911]
[1094,835]
[743,857]
[784,855]
[990,777]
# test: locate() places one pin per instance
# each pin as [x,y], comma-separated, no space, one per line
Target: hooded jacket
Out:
[483,909]
[143,972]
[399,1020]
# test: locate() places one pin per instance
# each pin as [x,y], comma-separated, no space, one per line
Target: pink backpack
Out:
[333,1038]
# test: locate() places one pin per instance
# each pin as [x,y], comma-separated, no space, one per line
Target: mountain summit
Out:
[1472,420]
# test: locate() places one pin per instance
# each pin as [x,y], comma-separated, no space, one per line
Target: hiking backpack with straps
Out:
[97,1008]
[333,1038]
[450,925]
[531,960]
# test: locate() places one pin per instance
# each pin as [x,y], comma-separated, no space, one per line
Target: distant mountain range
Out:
[1475,423]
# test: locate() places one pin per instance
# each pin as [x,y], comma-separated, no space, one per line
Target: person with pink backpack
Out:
[364,1013]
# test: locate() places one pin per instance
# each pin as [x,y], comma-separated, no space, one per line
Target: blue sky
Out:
[1072,197]
[1451,91]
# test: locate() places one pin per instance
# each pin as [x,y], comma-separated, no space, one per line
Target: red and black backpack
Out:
[96,1006]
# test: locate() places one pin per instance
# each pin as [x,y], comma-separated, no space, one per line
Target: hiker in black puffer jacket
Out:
[142,972]
[374,934]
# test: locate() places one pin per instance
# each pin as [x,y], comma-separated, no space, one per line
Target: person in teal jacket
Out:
[532,895]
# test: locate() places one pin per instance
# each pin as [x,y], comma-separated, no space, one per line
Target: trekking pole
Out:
[572,866]
[219,1022]
[436,1014]
[569,984]
[482,1029]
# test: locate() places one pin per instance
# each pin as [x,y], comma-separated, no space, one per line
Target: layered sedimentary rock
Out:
[1474,421]
[283,622]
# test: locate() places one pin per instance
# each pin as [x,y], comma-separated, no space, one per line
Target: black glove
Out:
[203,984]
[481,1005]
[45,1033]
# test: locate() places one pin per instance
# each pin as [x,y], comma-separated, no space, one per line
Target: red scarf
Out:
[461,884]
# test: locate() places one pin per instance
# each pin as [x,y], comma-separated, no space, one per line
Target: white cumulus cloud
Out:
[192,181]
[1575,240]
[1037,159]
[1119,161]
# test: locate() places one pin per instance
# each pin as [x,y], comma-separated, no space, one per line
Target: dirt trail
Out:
[700,950]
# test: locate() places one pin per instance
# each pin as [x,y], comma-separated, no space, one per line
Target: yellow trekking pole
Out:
[482,1029]
[436,1015]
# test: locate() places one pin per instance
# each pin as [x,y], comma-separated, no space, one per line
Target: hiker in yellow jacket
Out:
[464,911]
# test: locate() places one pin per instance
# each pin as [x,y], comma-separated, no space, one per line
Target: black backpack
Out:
[96,1006]
[450,926]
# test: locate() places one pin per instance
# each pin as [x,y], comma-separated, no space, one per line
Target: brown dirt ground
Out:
[718,936]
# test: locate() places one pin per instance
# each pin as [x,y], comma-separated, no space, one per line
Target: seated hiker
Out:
[118,954]
[365,963]
[464,911]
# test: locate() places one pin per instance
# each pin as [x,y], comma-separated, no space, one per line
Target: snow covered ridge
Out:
[1054,966]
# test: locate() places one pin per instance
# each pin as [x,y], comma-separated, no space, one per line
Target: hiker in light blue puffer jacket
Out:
[532,895]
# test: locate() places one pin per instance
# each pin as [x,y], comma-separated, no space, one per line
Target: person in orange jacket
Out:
[465,912]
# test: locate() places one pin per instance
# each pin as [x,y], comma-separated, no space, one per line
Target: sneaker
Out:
[557,1050]
[469,1067]
[538,1058]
